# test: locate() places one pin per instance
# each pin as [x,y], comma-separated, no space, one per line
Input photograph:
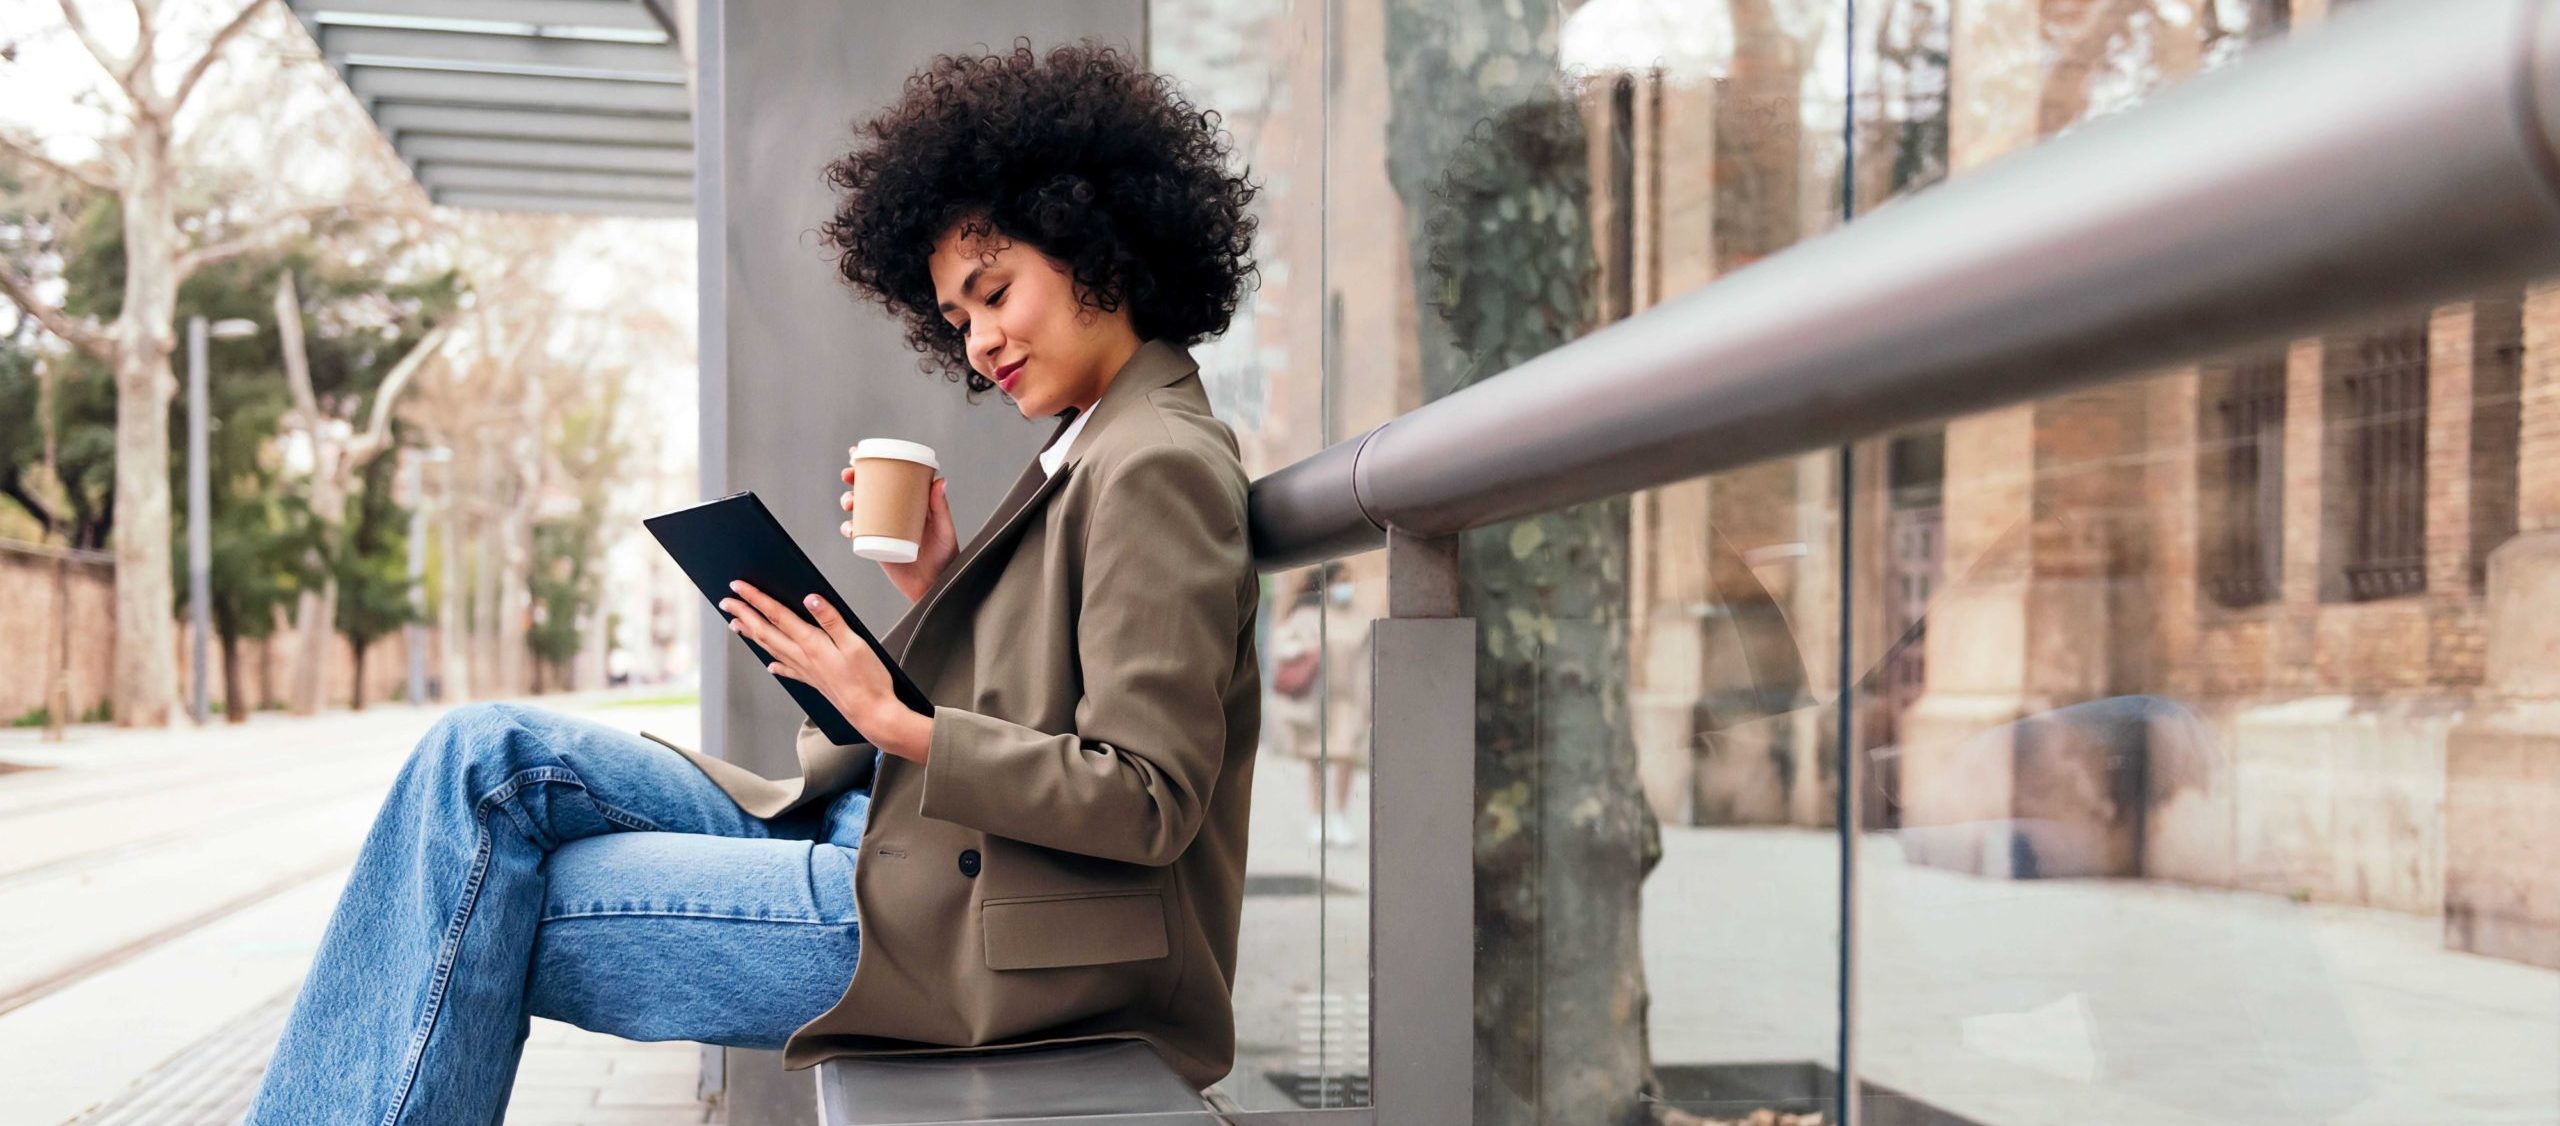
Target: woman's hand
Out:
[831,658]
[933,552]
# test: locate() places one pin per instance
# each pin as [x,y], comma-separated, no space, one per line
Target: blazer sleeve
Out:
[1156,638]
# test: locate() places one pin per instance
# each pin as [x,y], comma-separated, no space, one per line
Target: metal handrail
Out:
[2401,154]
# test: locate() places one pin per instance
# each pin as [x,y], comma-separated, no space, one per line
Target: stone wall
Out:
[27,640]
[27,616]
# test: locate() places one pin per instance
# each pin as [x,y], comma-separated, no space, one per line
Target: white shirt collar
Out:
[1057,451]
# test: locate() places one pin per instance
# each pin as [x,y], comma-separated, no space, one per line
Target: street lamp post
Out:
[200,497]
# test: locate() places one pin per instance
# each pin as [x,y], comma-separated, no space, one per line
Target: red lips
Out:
[1005,374]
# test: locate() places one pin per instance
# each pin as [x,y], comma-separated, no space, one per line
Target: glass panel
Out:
[2213,764]
[1656,885]
[1302,964]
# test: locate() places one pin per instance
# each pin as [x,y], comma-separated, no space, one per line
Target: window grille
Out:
[2244,441]
[1621,266]
[2386,418]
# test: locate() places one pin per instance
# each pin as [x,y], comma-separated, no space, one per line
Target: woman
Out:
[1320,694]
[1057,852]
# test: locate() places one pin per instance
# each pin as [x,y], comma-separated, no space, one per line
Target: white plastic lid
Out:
[885,549]
[902,450]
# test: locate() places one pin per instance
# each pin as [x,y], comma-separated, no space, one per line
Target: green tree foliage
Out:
[373,568]
[81,511]
[266,545]
[565,587]
[262,533]
[585,440]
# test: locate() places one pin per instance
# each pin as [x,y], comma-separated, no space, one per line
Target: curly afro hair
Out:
[1102,167]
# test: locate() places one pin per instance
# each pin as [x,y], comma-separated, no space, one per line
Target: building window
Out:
[2243,473]
[1620,265]
[2377,412]
[2268,18]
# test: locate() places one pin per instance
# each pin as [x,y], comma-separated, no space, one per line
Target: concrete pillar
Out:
[795,368]
[2502,763]
[2043,602]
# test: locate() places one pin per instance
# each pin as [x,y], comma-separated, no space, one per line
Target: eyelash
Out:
[961,330]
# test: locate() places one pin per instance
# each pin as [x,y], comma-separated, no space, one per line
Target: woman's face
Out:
[1024,329]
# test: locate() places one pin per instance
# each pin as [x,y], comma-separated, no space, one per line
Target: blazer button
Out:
[969,862]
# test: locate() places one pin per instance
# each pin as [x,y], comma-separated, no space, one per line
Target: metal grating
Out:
[211,1081]
[522,105]
[2245,444]
[2387,464]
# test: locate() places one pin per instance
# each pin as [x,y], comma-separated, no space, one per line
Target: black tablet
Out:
[735,537]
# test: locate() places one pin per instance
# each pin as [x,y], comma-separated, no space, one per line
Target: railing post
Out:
[1422,834]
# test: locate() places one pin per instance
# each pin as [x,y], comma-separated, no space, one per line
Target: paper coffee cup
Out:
[892,492]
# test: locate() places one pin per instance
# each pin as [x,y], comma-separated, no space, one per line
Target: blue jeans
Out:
[528,863]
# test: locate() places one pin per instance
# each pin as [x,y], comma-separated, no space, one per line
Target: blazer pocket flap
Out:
[1082,930]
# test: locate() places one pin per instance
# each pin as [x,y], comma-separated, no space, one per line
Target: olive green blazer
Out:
[1068,864]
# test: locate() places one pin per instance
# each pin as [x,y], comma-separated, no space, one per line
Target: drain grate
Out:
[1332,1064]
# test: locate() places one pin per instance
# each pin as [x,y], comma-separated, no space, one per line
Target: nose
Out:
[985,344]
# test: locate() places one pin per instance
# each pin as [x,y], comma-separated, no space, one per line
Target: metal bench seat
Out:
[1019,1087]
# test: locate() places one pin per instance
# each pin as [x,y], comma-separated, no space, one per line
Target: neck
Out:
[1117,361]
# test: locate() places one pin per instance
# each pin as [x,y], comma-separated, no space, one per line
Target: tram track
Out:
[22,994]
[132,847]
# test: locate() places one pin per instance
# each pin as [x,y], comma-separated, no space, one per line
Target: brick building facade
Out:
[2296,568]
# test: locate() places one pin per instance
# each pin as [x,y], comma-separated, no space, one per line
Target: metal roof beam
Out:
[375,85]
[475,121]
[584,205]
[547,154]
[510,54]
[539,181]
[609,15]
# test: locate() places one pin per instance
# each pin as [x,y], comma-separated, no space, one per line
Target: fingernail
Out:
[737,585]
[811,600]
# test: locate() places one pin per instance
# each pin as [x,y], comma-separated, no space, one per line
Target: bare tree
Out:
[340,454]
[144,171]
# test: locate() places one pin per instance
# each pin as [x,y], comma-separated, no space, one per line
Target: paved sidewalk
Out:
[157,917]
[2090,1002]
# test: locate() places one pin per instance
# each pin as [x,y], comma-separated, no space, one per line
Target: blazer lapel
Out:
[1008,517]
[1154,366]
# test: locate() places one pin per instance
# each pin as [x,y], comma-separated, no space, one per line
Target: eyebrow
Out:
[968,288]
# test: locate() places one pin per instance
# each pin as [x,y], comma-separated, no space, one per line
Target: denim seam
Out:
[451,949]
[666,914]
[445,957]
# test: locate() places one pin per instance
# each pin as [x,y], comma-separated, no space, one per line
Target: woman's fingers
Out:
[747,623]
[778,618]
[833,623]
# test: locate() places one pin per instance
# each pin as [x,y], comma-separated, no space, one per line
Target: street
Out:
[161,895]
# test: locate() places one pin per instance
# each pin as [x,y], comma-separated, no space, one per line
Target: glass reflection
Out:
[2197,794]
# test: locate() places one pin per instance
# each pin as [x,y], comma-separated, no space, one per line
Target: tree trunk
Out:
[514,603]
[1564,836]
[145,692]
[355,695]
[314,625]
[235,701]
[267,670]
[453,637]
[57,694]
